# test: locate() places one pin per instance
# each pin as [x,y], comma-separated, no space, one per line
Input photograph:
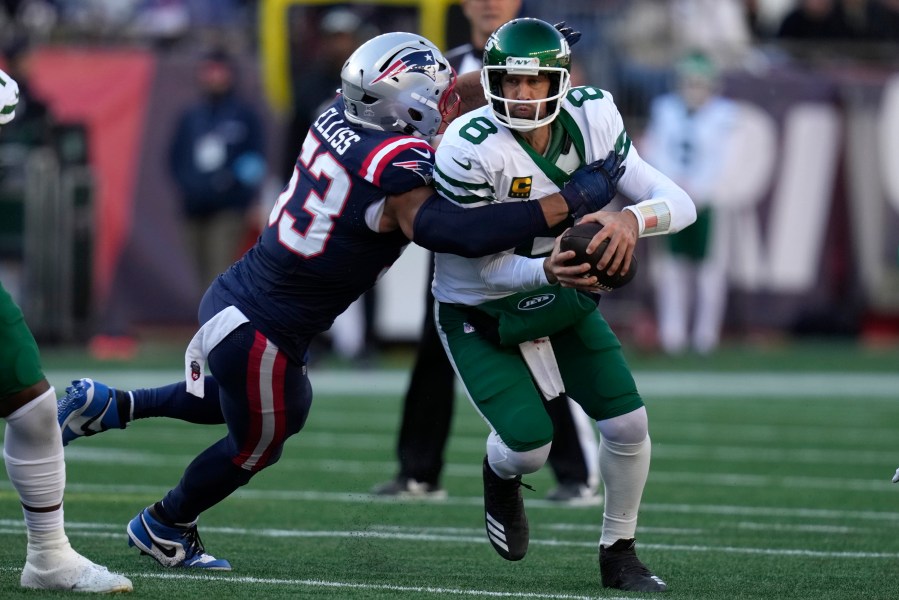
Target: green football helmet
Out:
[526,47]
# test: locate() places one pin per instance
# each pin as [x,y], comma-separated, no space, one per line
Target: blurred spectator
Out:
[687,138]
[719,28]
[34,18]
[195,23]
[217,160]
[652,31]
[872,20]
[163,21]
[815,20]
[483,17]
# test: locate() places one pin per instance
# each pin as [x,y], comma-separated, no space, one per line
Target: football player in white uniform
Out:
[510,332]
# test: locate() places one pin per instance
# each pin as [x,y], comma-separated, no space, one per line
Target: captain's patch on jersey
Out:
[521,187]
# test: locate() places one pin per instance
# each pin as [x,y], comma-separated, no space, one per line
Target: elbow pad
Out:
[442,226]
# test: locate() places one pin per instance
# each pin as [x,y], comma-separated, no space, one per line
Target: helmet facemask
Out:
[526,48]
[559,84]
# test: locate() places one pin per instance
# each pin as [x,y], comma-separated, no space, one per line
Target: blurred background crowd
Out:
[153,136]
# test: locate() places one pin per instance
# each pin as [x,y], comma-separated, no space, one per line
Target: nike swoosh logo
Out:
[164,546]
[170,552]
[86,426]
[424,153]
[466,165]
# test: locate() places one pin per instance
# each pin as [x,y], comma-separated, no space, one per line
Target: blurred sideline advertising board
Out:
[813,226]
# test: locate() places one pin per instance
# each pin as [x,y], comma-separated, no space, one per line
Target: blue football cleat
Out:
[171,546]
[89,407]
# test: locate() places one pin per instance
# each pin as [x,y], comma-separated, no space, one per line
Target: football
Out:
[577,238]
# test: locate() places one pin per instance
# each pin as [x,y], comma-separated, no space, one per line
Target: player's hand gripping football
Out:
[557,271]
[9,97]
[622,231]
[593,186]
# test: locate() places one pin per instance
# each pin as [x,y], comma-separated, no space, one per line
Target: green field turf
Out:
[770,479]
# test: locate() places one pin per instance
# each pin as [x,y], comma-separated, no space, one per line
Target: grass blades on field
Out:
[765,484]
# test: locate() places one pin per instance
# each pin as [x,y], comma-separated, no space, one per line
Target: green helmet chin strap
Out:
[526,47]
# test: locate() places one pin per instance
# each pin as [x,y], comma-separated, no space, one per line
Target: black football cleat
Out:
[621,569]
[507,524]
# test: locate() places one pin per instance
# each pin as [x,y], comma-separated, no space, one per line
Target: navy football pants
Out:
[263,397]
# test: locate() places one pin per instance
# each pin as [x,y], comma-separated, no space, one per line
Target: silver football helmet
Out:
[398,82]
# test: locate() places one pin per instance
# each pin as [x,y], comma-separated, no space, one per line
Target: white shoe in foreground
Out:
[68,570]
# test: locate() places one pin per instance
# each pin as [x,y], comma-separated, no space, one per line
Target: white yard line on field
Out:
[12,527]
[349,585]
[107,491]
[652,384]
[126,456]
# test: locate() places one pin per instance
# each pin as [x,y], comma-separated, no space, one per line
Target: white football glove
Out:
[9,97]
[896,477]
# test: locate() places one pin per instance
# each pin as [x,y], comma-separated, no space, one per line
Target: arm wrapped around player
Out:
[442,226]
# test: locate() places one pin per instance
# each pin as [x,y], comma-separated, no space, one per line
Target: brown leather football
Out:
[577,238]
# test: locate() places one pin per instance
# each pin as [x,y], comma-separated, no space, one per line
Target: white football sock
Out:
[624,469]
[32,449]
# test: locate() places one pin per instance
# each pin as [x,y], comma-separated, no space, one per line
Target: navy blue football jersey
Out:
[316,254]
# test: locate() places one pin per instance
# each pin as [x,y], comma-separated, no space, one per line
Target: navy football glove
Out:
[593,186]
[571,36]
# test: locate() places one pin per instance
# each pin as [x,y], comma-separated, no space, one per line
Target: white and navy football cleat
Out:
[171,546]
[67,570]
[88,408]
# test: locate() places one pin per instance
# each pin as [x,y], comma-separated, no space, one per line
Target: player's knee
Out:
[629,428]
[34,422]
[530,461]
[508,462]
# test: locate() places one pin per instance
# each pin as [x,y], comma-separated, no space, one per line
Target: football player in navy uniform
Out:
[358,194]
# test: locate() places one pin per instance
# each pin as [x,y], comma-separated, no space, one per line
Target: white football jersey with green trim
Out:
[480,161]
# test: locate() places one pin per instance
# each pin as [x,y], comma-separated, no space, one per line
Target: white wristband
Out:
[653,216]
